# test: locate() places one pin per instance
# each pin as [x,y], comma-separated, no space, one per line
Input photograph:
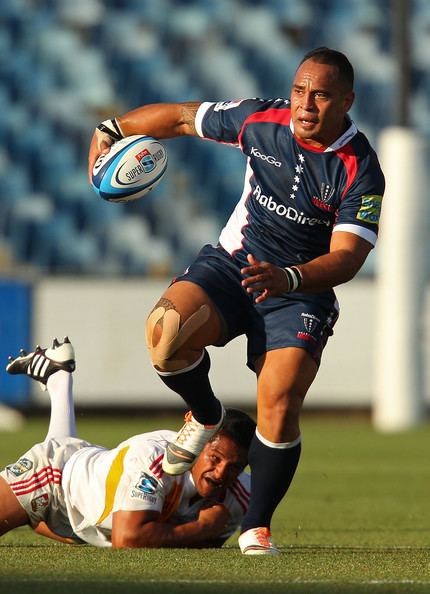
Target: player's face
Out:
[218,466]
[319,103]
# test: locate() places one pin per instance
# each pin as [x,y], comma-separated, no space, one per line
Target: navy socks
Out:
[272,470]
[194,387]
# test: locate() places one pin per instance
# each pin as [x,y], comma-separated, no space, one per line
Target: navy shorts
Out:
[291,320]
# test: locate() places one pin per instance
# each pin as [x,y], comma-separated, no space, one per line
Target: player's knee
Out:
[285,407]
[167,338]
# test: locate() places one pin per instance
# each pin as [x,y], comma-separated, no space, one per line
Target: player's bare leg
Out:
[52,367]
[284,377]
[181,325]
[12,514]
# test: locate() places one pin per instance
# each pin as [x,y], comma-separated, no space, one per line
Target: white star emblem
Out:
[292,196]
[296,179]
[299,169]
[295,188]
[301,158]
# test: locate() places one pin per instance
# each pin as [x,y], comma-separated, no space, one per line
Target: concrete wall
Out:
[106,322]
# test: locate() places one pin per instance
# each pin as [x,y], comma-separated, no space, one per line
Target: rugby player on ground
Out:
[76,492]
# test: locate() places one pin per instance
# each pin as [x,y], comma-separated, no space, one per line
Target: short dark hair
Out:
[239,427]
[325,55]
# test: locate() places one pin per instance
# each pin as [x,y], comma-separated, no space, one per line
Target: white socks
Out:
[62,422]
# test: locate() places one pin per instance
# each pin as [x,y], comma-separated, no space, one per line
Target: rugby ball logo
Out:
[131,169]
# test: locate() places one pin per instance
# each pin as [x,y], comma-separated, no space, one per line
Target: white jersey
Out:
[97,482]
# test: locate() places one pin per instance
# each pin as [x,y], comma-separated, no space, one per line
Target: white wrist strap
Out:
[294,278]
[112,129]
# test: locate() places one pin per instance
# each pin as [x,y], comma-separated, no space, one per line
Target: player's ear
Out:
[349,100]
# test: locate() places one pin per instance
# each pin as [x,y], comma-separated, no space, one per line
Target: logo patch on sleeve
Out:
[22,466]
[370,210]
[147,484]
[145,489]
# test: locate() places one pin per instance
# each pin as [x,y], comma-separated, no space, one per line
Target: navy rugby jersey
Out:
[294,195]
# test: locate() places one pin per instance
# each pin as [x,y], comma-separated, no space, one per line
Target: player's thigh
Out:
[188,300]
[285,372]
[12,514]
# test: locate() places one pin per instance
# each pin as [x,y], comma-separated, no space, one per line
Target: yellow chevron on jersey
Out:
[112,480]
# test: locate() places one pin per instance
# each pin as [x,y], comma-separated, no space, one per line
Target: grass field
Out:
[356,520]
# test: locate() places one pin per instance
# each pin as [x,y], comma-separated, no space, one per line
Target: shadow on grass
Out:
[97,587]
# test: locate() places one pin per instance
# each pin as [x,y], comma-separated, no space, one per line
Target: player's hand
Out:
[100,145]
[214,519]
[264,278]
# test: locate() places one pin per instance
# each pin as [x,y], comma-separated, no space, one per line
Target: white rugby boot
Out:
[257,541]
[182,453]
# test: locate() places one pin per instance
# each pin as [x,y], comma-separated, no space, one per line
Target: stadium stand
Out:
[67,65]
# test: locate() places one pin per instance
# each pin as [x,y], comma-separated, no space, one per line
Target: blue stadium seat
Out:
[66,65]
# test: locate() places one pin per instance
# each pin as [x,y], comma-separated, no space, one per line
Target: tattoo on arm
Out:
[189,111]
[166,303]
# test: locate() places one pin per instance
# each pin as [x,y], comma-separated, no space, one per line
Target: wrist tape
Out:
[112,129]
[294,278]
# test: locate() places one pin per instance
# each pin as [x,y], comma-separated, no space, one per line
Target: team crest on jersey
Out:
[310,322]
[223,105]
[327,192]
[370,210]
[323,200]
[40,502]
[23,465]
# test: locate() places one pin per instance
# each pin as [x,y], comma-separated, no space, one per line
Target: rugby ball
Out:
[131,169]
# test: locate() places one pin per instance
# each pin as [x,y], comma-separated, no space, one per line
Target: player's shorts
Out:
[291,320]
[35,479]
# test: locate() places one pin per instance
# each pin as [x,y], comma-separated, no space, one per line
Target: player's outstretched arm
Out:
[160,120]
[133,529]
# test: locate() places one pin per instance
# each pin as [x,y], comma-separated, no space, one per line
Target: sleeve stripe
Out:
[199,117]
[363,232]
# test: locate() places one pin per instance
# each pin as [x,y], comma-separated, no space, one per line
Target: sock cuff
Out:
[185,369]
[278,446]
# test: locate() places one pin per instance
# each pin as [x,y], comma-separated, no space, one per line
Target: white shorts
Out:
[35,479]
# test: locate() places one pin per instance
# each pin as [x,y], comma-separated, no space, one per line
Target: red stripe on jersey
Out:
[38,485]
[38,480]
[245,494]
[33,477]
[270,116]
[156,467]
[241,495]
[349,159]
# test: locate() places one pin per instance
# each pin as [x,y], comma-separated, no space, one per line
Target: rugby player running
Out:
[305,222]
